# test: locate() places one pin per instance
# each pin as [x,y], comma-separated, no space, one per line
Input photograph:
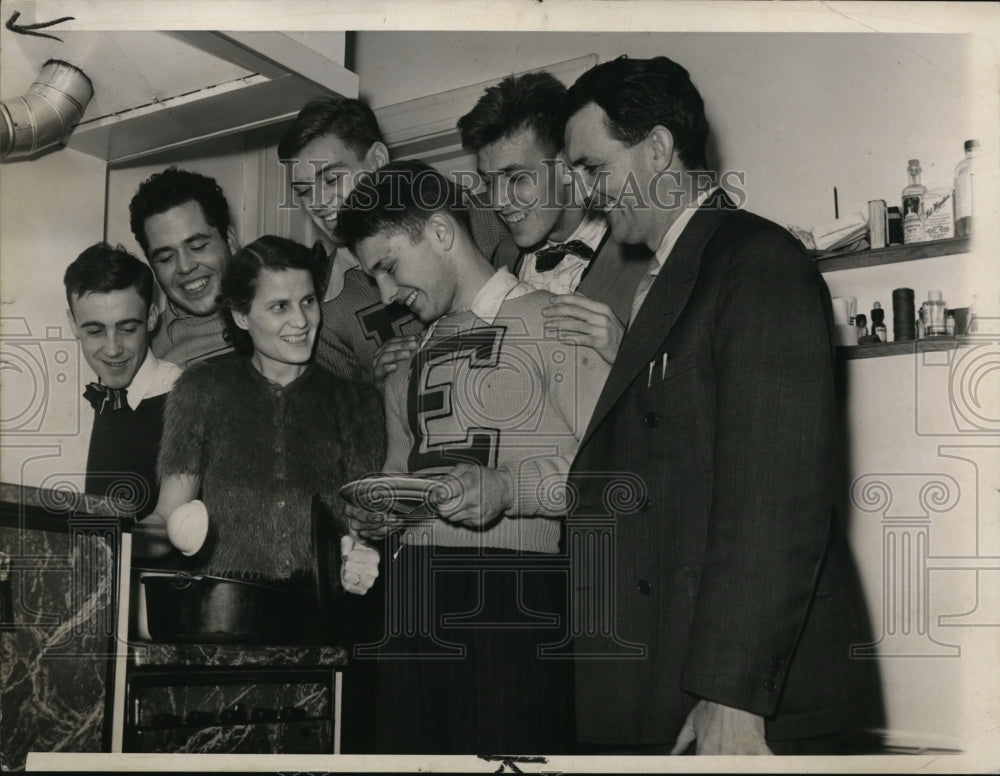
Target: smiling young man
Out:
[331,143]
[494,406]
[181,220]
[555,242]
[110,294]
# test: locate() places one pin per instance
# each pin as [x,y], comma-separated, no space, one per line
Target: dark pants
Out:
[479,685]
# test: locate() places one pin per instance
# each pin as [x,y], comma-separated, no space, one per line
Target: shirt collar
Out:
[153,378]
[343,260]
[674,232]
[487,303]
[589,231]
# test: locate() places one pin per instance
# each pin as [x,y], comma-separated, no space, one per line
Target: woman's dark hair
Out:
[101,269]
[238,286]
[165,190]
[639,94]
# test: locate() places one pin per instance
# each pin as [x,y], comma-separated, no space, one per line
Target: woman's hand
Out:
[359,565]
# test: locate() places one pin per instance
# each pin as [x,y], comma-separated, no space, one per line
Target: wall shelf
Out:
[893,254]
[907,348]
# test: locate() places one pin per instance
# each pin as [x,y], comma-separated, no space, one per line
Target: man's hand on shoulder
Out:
[390,356]
[582,321]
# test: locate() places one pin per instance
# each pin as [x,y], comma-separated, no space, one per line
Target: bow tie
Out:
[547,258]
[101,397]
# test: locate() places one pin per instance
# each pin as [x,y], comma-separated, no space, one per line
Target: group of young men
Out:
[577,355]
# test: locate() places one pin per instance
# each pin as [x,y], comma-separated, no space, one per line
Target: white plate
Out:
[396,495]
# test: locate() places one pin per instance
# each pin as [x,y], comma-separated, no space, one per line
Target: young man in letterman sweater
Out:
[111,312]
[496,406]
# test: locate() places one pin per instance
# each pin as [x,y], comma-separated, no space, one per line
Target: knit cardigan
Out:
[262,450]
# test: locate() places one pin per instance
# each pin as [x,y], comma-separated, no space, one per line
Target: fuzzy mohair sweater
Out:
[262,451]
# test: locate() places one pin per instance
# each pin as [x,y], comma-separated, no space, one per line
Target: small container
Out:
[878,236]
[878,322]
[949,324]
[895,226]
[861,323]
[903,315]
[939,214]
[934,315]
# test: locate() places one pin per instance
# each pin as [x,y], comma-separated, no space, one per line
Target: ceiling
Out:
[157,90]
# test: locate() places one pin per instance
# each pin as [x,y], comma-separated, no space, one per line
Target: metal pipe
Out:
[47,112]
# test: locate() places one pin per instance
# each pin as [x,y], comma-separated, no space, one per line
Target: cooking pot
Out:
[186,607]
[204,608]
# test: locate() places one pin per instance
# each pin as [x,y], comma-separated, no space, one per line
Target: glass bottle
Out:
[878,322]
[913,205]
[934,315]
[963,190]
[861,322]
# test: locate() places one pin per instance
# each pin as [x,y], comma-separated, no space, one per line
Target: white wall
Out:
[51,208]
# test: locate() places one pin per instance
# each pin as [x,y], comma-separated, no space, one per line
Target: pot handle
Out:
[183,580]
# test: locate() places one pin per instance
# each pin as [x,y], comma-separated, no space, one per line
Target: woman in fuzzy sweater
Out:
[258,436]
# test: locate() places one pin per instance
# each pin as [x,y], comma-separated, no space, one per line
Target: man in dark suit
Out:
[732,599]
[554,242]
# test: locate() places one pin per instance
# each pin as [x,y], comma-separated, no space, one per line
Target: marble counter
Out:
[56,642]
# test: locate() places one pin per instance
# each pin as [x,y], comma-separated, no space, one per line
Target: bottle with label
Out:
[963,191]
[878,322]
[913,205]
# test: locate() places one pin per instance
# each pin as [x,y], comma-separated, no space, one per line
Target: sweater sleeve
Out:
[183,445]
[573,377]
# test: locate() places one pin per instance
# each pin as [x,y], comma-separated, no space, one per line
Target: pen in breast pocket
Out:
[649,377]
[663,366]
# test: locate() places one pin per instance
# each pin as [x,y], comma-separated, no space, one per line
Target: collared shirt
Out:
[666,246]
[186,339]
[490,298]
[566,275]
[343,260]
[122,445]
[154,378]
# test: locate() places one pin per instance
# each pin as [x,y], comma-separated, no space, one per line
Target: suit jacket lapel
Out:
[666,299]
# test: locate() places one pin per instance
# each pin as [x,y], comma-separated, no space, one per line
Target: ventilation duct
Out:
[48,111]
